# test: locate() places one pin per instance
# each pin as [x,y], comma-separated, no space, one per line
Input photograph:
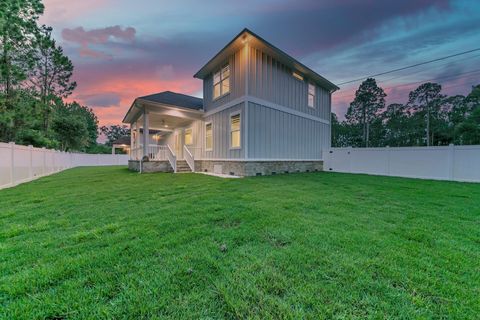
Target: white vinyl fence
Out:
[457,163]
[20,164]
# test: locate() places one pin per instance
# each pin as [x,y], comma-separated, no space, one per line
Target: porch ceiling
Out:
[164,111]
[164,122]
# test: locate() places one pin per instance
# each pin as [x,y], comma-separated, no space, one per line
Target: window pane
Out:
[226,86]
[208,136]
[235,122]
[235,142]
[225,72]
[310,100]
[216,90]
[216,78]
[311,89]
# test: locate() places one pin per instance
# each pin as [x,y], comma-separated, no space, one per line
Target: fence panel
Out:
[24,163]
[458,163]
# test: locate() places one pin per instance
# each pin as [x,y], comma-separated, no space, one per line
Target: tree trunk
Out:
[368,136]
[7,71]
[364,115]
[428,121]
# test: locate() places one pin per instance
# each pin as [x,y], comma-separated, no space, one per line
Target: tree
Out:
[51,73]
[70,127]
[426,100]
[18,27]
[369,100]
[114,132]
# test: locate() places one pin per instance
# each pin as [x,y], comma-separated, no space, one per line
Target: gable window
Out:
[208,137]
[311,95]
[221,82]
[297,75]
[235,131]
[188,137]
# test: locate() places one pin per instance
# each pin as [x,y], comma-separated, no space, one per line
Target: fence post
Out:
[349,153]
[44,165]
[30,166]
[12,163]
[451,161]
[388,160]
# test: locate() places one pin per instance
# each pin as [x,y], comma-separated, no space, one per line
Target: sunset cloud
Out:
[97,37]
[123,49]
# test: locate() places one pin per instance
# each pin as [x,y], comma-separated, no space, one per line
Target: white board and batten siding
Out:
[273,81]
[456,163]
[276,121]
[20,164]
[273,134]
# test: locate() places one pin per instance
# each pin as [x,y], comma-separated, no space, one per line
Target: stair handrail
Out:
[172,158]
[189,158]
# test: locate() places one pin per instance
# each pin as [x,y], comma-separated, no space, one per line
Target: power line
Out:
[409,67]
[421,71]
[470,73]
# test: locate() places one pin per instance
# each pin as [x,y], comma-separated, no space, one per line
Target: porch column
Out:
[131,135]
[146,132]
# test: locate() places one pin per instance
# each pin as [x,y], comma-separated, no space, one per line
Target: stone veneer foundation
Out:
[150,166]
[237,168]
[254,168]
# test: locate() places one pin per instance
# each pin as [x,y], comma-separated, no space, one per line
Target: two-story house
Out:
[262,112]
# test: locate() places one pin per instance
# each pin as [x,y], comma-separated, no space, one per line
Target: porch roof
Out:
[161,102]
[175,99]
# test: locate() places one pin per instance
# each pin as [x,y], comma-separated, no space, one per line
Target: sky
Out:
[122,49]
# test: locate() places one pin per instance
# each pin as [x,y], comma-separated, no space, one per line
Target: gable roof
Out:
[175,99]
[257,41]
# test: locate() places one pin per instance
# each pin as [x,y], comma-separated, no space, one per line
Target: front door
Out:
[178,145]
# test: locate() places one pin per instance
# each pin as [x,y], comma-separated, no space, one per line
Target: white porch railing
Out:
[171,158]
[157,152]
[136,153]
[154,152]
[189,158]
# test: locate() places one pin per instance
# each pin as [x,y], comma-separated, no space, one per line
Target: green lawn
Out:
[108,243]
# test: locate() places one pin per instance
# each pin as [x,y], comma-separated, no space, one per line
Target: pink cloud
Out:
[97,37]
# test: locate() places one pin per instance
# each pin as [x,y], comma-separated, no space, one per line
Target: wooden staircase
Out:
[182,166]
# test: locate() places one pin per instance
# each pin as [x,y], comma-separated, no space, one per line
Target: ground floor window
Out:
[235,130]
[208,137]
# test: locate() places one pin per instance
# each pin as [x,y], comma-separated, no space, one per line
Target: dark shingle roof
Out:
[175,99]
[122,140]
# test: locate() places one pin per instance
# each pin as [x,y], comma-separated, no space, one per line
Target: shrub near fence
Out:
[456,163]
[20,164]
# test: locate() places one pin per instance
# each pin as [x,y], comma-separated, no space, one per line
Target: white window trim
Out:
[230,130]
[207,123]
[314,94]
[185,136]
[229,83]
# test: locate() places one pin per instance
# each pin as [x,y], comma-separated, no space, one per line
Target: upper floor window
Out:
[311,95]
[221,82]
[188,137]
[208,136]
[235,131]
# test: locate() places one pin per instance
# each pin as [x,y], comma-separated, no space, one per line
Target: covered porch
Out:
[161,132]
